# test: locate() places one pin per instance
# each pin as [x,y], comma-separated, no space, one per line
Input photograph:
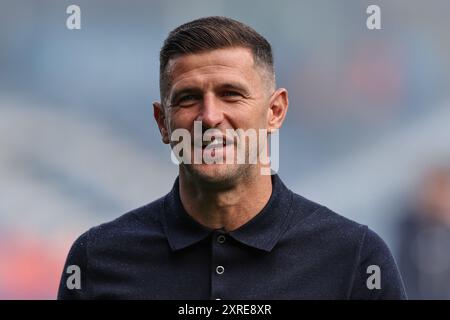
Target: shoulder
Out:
[376,273]
[311,217]
[113,240]
[147,216]
[349,245]
[335,230]
[144,220]
[110,242]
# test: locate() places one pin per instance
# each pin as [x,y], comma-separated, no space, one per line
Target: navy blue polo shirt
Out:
[292,249]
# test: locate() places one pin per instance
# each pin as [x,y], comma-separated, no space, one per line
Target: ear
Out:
[278,106]
[160,117]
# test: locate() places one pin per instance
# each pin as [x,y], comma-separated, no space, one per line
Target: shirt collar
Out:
[262,232]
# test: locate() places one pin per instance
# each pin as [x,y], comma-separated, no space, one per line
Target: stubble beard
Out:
[216,176]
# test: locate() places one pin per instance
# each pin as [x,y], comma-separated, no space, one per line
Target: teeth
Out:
[216,142]
[212,143]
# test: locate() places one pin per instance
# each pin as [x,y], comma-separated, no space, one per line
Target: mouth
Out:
[216,143]
[216,148]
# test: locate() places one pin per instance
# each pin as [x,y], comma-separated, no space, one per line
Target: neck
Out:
[227,208]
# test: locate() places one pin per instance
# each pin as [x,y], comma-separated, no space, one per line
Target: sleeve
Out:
[376,274]
[73,283]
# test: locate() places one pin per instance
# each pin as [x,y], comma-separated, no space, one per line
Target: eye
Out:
[231,94]
[187,100]
[186,97]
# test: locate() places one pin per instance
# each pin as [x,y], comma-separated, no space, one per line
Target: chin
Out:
[216,174]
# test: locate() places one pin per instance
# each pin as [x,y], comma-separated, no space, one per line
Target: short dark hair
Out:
[213,33]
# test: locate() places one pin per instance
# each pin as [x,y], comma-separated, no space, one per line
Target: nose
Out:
[211,113]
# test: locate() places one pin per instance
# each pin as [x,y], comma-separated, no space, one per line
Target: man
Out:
[424,234]
[227,231]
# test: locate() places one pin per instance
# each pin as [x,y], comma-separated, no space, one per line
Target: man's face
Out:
[224,89]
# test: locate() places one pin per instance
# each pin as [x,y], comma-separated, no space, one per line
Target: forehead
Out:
[234,63]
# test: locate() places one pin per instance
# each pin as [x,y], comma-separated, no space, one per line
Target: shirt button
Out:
[220,269]
[221,239]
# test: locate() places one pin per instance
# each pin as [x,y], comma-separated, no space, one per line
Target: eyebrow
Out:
[196,90]
[235,86]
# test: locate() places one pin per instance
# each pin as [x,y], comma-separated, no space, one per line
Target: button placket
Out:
[221,239]
[218,264]
[220,269]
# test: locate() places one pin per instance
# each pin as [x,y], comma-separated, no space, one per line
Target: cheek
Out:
[254,117]
[182,118]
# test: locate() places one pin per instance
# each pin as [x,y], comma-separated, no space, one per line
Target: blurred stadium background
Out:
[368,126]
